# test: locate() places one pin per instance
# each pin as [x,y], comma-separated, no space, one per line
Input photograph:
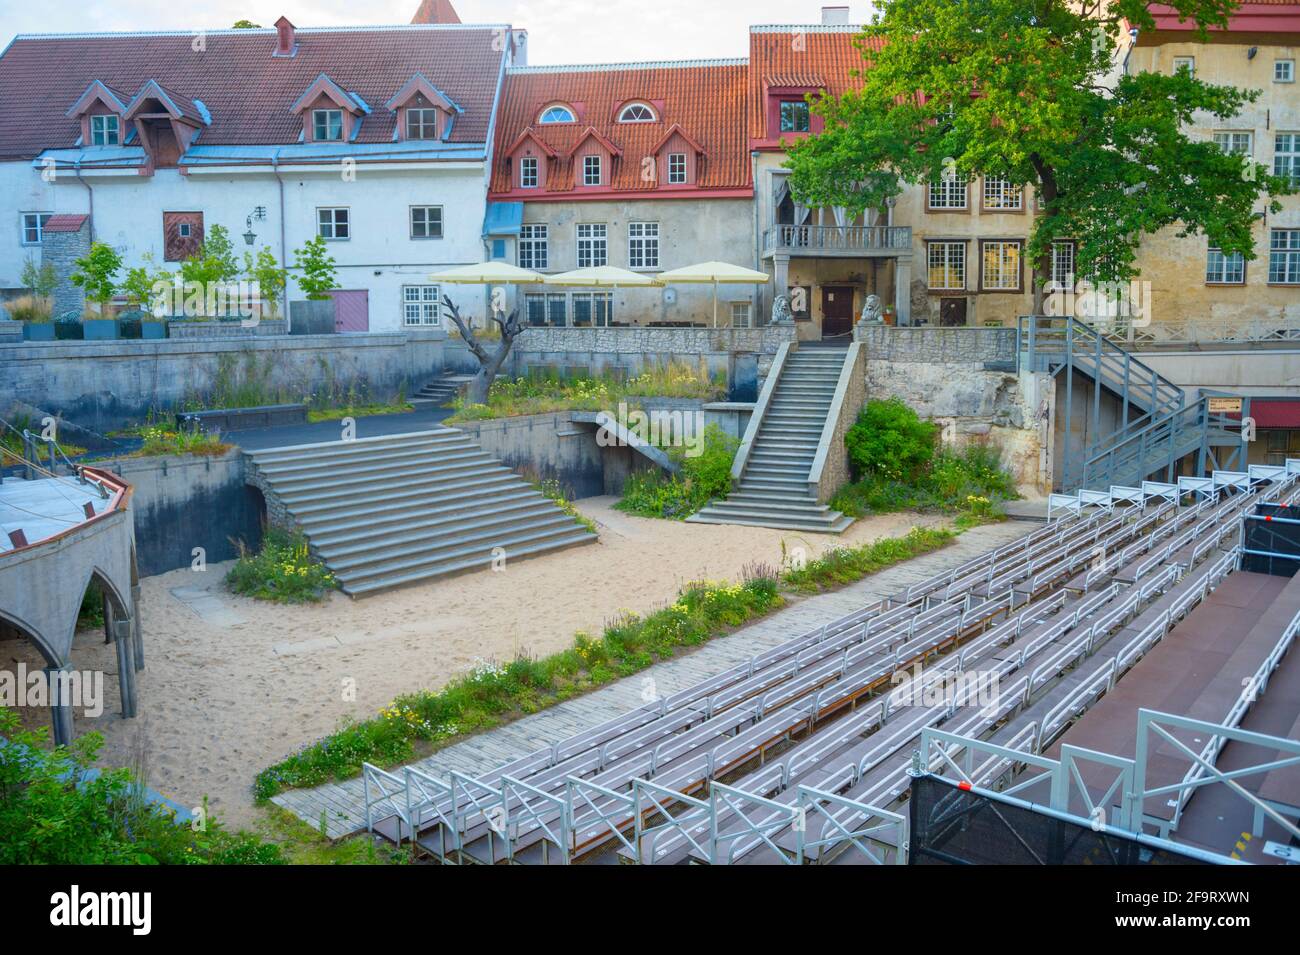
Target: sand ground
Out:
[232,684]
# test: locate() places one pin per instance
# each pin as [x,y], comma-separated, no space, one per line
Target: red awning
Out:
[1275,412]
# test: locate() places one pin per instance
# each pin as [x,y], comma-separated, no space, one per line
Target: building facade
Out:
[376,139]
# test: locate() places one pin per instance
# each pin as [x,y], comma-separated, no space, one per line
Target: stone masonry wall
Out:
[929,344]
[61,250]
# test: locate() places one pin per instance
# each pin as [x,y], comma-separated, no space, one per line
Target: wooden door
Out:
[837,310]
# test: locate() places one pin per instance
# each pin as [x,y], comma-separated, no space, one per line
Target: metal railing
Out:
[811,239]
[1201,331]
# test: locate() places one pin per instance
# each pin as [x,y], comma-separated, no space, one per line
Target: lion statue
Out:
[871,311]
[781,314]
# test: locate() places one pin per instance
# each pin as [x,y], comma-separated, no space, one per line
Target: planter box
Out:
[69,331]
[241,419]
[312,317]
[153,330]
[38,331]
[101,329]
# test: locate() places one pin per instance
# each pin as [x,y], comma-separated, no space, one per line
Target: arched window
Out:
[559,113]
[636,113]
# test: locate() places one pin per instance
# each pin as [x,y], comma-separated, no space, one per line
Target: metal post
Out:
[60,703]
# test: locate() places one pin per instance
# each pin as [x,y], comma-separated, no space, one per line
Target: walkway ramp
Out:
[394,510]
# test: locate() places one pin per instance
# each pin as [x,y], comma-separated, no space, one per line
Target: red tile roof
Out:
[1254,16]
[436,11]
[246,90]
[798,56]
[64,222]
[706,98]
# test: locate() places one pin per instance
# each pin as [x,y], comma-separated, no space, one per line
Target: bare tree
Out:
[489,364]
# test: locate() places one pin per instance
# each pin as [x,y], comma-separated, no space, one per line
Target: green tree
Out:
[1020,89]
[246,25]
[315,268]
[266,272]
[97,273]
[889,440]
[215,260]
[41,279]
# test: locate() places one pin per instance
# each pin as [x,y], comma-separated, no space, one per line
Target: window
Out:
[948,192]
[592,308]
[1284,257]
[740,314]
[1063,264]
[1223,269]
[184,230]
[533,247]
[591,170]
[528,172]
[1001,193]
[557,114]
[643,245]
[593,248]
[498,248]
[1001,262]
[946,265]
[1286,157]
[794,117]
[1187,63]
[426,222]
[548,309]
[676,168]
[421,124]
[420,305]
[1284,71]
[327,124]
[333,223]
[636,113]
[104,130]
[33,223]
[1233,143]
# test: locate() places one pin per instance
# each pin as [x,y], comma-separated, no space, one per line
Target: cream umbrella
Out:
[488,273]
[602,276]
[714,273]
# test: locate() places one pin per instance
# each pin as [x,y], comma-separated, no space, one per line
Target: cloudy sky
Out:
[560,31]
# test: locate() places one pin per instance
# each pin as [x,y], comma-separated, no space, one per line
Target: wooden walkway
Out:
[340,807]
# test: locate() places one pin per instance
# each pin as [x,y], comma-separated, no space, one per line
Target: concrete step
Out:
[803,509]
[341,519]
[359,446]
[763,455]
[416,546]
[831,525]
[363,587]
[409,495]
[386,469]
[506,503]
[428,481]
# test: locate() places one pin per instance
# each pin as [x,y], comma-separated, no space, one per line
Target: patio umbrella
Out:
[602,276]
[714,273]
[487,273]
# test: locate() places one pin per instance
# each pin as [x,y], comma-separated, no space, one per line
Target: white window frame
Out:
[1224,269]
[1187,61]
[316,125]
[107,134]
[590,162]
[32,222]
[1231,141]
[592,298]
[1284,257]
[806,113]
[650,116]
[1284,71]
[1063,250]
[741,314]
[1003,273]
[570,114]
[953,268]
[593,244]
[420,306]
[334,221]
[642,246]
[1002,195]
[947,190]
[430,124]
[428,221]
[676,169]
[1286,156]
[534,246]
[528,172]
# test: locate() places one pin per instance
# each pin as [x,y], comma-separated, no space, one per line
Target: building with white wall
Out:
[376,138]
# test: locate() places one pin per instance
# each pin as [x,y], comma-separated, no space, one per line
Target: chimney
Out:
[286,43]
[520,57]
[834,16]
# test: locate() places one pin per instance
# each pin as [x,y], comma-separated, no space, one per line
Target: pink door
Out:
[351,310]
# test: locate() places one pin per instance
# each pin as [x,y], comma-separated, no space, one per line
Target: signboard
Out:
[1225,406]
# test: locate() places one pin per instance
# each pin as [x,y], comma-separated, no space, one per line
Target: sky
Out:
[559,31]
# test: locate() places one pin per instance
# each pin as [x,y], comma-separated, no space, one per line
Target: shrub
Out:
[843,565]
[283,571]
[315,267]
[701,478]
[41,279]
[97,273]
[157,439]
[266,272]
[889,441]
[29,308]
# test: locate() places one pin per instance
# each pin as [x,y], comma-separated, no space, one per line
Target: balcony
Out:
[832,241]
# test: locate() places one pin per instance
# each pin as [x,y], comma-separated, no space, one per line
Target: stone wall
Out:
[105,385]
[834,472]
[61,250]
[929,344]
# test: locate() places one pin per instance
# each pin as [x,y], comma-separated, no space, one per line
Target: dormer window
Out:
[421,124]
[636,113]
[676,168]
[591,170]
[528,172]
[795,116]
[559,113]
[327,125]
[105,130]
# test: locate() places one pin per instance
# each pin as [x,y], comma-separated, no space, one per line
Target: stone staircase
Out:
[773,488]
[441,390]
[393,510]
